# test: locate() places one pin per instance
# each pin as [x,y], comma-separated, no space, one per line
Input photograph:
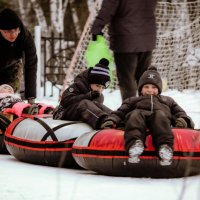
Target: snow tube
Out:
[44,141]
[4,123]
[97,50]
[103,152]
[21,109]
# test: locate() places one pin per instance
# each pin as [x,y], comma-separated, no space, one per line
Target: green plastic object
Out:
[96,50]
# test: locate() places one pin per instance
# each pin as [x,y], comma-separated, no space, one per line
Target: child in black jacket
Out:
[83,100]
[153,111]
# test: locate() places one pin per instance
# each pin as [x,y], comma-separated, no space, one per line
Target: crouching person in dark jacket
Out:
[83,100]
[18,58]
[152,111]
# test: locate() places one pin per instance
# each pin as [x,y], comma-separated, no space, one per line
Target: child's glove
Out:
[108,124]
[95,94]
[94,36]
[181,123]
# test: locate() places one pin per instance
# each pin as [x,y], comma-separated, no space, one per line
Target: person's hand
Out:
[108,124]
[95,94]
[92,95]
[181,123]
[33,109]
[31,100]
[94,36]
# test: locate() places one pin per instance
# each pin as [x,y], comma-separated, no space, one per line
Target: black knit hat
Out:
[151,76]
[99,74]
[9,19]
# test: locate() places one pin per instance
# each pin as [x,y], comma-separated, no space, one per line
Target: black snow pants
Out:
[90,112]
[158,124]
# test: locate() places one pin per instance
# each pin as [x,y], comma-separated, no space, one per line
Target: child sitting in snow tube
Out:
[153,111]
[83,100]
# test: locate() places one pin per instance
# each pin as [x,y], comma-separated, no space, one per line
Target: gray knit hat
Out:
[99,74]
[151,76]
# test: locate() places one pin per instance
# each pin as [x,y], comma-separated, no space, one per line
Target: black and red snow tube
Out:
[21,109]
[44,141]
[103,152]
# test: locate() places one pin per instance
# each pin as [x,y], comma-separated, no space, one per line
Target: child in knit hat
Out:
[153,111]
[83,100]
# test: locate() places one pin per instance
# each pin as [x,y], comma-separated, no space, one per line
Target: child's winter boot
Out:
[135,151]
[165,154]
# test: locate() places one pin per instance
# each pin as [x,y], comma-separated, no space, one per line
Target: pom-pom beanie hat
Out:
[99,74]
[151,76]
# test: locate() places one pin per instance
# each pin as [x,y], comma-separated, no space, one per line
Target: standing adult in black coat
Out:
[17,54]
[132,31]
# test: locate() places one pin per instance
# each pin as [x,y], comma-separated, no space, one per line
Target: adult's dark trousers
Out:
[130,67]
[158,124]
[12,75]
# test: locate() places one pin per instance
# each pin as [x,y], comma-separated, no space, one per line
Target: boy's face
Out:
[149,89]
[97,87]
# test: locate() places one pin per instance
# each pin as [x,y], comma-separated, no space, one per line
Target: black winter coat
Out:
[132,24]
[151,103]
[73,95]
[23,48]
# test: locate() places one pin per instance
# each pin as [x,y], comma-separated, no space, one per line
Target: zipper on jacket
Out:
[151,103]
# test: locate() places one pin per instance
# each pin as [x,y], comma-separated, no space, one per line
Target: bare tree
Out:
[75,19]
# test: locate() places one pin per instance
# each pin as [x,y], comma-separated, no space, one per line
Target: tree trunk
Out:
[40,16]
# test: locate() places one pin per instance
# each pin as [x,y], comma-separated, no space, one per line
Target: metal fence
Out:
[56,57]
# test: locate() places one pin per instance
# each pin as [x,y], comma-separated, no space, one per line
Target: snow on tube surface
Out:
[44,141]
[103,152]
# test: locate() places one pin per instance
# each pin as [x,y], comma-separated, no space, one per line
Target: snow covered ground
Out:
[23,181]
